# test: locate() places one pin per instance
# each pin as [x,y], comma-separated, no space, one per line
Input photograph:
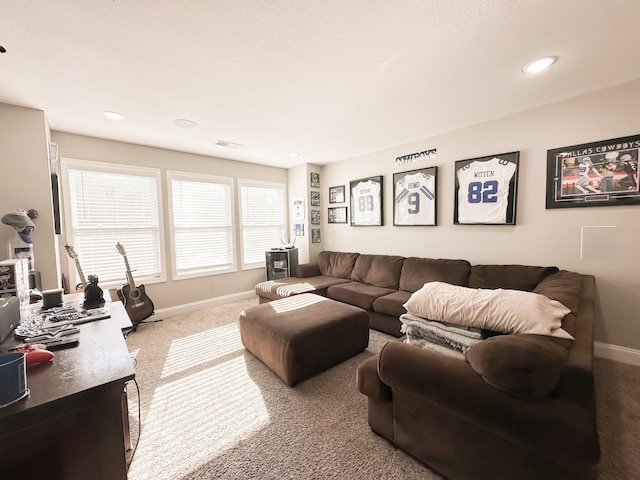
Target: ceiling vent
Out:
[225,143]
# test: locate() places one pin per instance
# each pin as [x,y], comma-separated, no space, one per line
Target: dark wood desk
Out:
[71,425]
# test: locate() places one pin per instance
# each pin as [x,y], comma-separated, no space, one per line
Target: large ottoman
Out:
[300,336]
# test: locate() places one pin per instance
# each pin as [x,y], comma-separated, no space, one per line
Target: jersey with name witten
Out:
[483,194]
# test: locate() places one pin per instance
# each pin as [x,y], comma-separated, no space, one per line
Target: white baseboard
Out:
[619,354]
[190,307]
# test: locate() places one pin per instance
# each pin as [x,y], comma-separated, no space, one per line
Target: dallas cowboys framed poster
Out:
[597,174]
[485,190]
[366,202]
[414,197]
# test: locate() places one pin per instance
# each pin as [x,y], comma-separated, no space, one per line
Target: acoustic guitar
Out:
[136,302]
[72,254]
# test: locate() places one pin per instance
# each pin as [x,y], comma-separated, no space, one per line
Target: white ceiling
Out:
[329,79]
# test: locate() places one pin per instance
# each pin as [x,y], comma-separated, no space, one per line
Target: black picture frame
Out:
[366,201]
[336,194]
[415,197]
[315,235]
[596,174]
[486,190]
[315,217]
[337,215]
[314,198]
[315,180]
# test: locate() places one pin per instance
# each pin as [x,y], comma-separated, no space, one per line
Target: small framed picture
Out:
[597,174]
[297,209]
[315,235]
[486,190]
[414,197]
[337,215]
[298,229]
[315,180]
[336,194]
[315,198]
[366,201]
[315,217]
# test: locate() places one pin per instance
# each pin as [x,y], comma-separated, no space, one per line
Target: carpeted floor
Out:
[210,410]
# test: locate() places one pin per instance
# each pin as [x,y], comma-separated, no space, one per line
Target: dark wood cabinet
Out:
[71,426]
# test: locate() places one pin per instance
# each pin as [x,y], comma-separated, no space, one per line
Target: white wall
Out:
[26,183]
[172,292]
[540,237]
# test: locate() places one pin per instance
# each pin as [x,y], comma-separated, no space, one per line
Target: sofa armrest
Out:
[305,270]
[554,428]
[368,382]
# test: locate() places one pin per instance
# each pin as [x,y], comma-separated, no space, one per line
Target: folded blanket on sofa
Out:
[284,289]
[450,336]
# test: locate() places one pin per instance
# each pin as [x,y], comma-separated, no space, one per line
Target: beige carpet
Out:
[210,410]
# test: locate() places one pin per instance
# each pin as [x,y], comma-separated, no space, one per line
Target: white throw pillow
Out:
[505,311]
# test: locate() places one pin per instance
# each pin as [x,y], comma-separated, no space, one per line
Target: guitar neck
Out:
[80,272]
[130,280]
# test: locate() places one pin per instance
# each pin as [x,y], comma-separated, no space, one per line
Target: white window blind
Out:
[202,224]
[106,204]
[263,220]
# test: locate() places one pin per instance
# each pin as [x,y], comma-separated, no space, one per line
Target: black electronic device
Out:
[60,343]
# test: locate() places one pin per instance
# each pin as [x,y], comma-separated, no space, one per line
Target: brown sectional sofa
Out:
[520,405]
[380,284]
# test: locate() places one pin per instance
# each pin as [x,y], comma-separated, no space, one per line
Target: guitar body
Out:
[136,302]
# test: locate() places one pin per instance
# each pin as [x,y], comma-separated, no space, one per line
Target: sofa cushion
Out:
[564,286]
[527,366]
[356,293]
[418,271]
[378,270]
[514,277]
[336,264]
[392,304]
[284,287]
[505,311]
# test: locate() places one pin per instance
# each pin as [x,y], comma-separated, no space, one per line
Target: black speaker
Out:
[34,280]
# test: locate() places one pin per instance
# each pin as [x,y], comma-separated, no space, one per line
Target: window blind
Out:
[110,204]
[263,220]
[202,224]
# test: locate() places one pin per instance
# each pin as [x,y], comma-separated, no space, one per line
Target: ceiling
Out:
[327,79]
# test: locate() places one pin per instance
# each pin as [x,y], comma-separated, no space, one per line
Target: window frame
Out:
[201,178]
[245,182]
[67,164]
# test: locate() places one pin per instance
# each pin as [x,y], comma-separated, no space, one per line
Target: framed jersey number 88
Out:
[366,201]
[486,189]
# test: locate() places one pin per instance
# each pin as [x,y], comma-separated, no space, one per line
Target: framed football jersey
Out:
[366,201]
[414,197]
[485,190]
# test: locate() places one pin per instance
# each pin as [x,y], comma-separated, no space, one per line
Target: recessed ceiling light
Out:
[114,115]
[184,123]
[539,65]
[294,155]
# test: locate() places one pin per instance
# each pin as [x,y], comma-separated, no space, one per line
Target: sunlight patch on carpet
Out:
[200,348]
[174,442]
